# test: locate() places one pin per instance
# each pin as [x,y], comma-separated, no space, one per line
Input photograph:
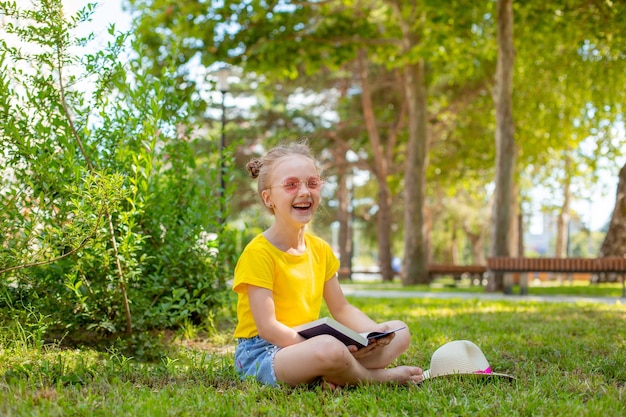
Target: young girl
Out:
[281,278]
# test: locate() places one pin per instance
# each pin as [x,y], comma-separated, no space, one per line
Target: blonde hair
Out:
[261,169]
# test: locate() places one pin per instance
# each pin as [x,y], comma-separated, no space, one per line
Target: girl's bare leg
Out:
[326,357]
[384,356]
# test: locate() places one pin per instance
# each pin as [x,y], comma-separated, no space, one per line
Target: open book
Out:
[332,327]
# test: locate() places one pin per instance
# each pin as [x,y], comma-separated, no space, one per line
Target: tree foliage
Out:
[111,221]
[567,54]
[569,72]
[136,234]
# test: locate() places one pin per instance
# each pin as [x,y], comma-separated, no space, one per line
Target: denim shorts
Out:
[255,357]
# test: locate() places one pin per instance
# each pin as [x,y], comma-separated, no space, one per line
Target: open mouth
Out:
[302,206]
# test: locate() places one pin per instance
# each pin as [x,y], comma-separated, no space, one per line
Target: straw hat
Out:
[460,357]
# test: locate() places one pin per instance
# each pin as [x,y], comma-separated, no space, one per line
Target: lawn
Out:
[569,360]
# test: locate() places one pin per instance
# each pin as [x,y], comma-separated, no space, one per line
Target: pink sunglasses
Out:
[292,184]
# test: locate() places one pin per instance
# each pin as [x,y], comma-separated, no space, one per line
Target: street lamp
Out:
[222,85]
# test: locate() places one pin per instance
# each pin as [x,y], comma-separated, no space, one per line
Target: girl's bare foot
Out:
[327,385]
[406,375]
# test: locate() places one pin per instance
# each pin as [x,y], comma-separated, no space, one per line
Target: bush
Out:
[111,225]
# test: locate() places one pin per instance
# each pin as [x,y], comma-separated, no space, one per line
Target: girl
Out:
[281,278]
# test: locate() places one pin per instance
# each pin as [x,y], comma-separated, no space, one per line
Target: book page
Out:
[378,335]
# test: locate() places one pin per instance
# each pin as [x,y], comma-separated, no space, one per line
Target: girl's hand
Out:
[373,345]
[384,341]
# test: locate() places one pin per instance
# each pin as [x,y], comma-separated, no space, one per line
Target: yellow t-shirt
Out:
[296,281]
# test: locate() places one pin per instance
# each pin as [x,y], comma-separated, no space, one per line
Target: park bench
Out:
[457,271]
[524,266]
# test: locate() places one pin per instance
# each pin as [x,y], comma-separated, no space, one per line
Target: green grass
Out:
[578,288]
[569,360]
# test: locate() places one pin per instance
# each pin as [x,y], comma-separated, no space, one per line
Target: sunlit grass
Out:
[569,359]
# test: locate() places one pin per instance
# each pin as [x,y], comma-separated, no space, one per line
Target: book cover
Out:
[327,325]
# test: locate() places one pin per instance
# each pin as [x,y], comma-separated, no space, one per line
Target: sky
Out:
[594,212]
[107,12]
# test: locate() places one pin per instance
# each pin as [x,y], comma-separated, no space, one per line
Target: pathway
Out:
[356,292]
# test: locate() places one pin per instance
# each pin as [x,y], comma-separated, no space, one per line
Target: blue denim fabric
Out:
[255,357]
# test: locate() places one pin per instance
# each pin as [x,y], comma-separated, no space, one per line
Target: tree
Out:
[567,65]
[271,39]
[317,46]
[415,265]
[505,141]
[614,243]
[382,155]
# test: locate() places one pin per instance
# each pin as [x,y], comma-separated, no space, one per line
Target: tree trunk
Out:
[504,138]
[381,170]
[344,240]
[520,232]
[562,222]
[614,243]
[415,269]
[385,220]
[454,244]
[477,241]
[514,226]
[476,234]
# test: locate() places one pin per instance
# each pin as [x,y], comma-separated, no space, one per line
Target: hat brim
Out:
[477,375]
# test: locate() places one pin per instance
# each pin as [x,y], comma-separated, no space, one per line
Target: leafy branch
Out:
[82,244]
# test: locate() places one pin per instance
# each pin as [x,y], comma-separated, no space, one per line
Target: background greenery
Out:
[114,222]
[111,222]
[336,71]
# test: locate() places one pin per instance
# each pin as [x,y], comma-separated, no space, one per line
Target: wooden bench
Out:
[524,266]
[457,271]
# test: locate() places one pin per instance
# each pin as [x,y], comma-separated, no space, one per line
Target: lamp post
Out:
[222,85]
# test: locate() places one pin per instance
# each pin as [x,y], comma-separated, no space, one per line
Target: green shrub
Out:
[111,225]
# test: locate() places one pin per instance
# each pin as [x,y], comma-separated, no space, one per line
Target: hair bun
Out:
[254,167]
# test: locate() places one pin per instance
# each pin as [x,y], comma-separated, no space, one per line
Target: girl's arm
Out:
[264,313]
[351,316]
[343,311]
